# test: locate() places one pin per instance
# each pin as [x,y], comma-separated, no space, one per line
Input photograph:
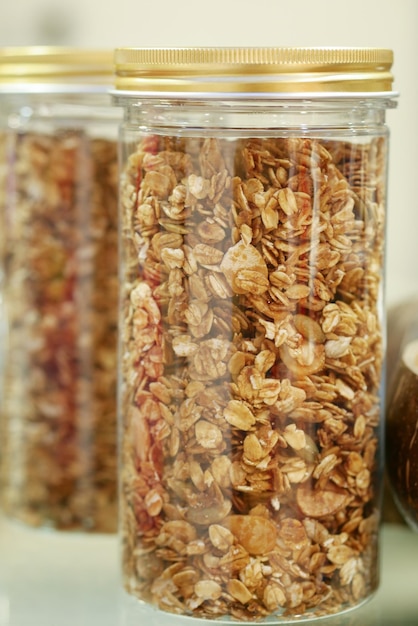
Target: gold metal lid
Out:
[26,68]
[253,71]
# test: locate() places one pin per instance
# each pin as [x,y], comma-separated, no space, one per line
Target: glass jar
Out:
[253,190]
[58,207]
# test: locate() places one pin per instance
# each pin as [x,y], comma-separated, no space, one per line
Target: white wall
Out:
[383,23]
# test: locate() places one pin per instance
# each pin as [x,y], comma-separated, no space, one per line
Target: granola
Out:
[251,364]
[59,250]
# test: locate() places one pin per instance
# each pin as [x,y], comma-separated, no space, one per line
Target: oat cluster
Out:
[251,366]
[58,200]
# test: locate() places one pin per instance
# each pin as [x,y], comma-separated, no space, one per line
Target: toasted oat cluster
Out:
[251,365]
[58,197]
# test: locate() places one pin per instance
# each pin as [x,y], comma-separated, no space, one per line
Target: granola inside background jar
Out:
[58,242]
[253,192]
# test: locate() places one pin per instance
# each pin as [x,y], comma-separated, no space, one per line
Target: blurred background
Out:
[381,23]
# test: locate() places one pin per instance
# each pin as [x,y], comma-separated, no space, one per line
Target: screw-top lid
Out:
[38,68]
[257,72]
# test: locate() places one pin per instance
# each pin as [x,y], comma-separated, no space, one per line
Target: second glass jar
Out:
[58,243]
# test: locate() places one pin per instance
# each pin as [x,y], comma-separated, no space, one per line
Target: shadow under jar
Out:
[252,241]
[58,242]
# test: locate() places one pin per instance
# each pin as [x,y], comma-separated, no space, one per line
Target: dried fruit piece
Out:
[256,534]
[320,502]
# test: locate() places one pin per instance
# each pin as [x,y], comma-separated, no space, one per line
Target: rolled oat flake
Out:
[253,201]
[58,254]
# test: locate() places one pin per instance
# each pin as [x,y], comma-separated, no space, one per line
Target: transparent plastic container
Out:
[253,191]
[58,241]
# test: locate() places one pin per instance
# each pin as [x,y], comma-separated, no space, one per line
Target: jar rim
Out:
[29,69]
[263,70]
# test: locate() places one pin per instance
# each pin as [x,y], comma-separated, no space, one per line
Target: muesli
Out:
[251,365]
[59,253]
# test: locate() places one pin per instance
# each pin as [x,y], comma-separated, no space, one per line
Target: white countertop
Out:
[56,579]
